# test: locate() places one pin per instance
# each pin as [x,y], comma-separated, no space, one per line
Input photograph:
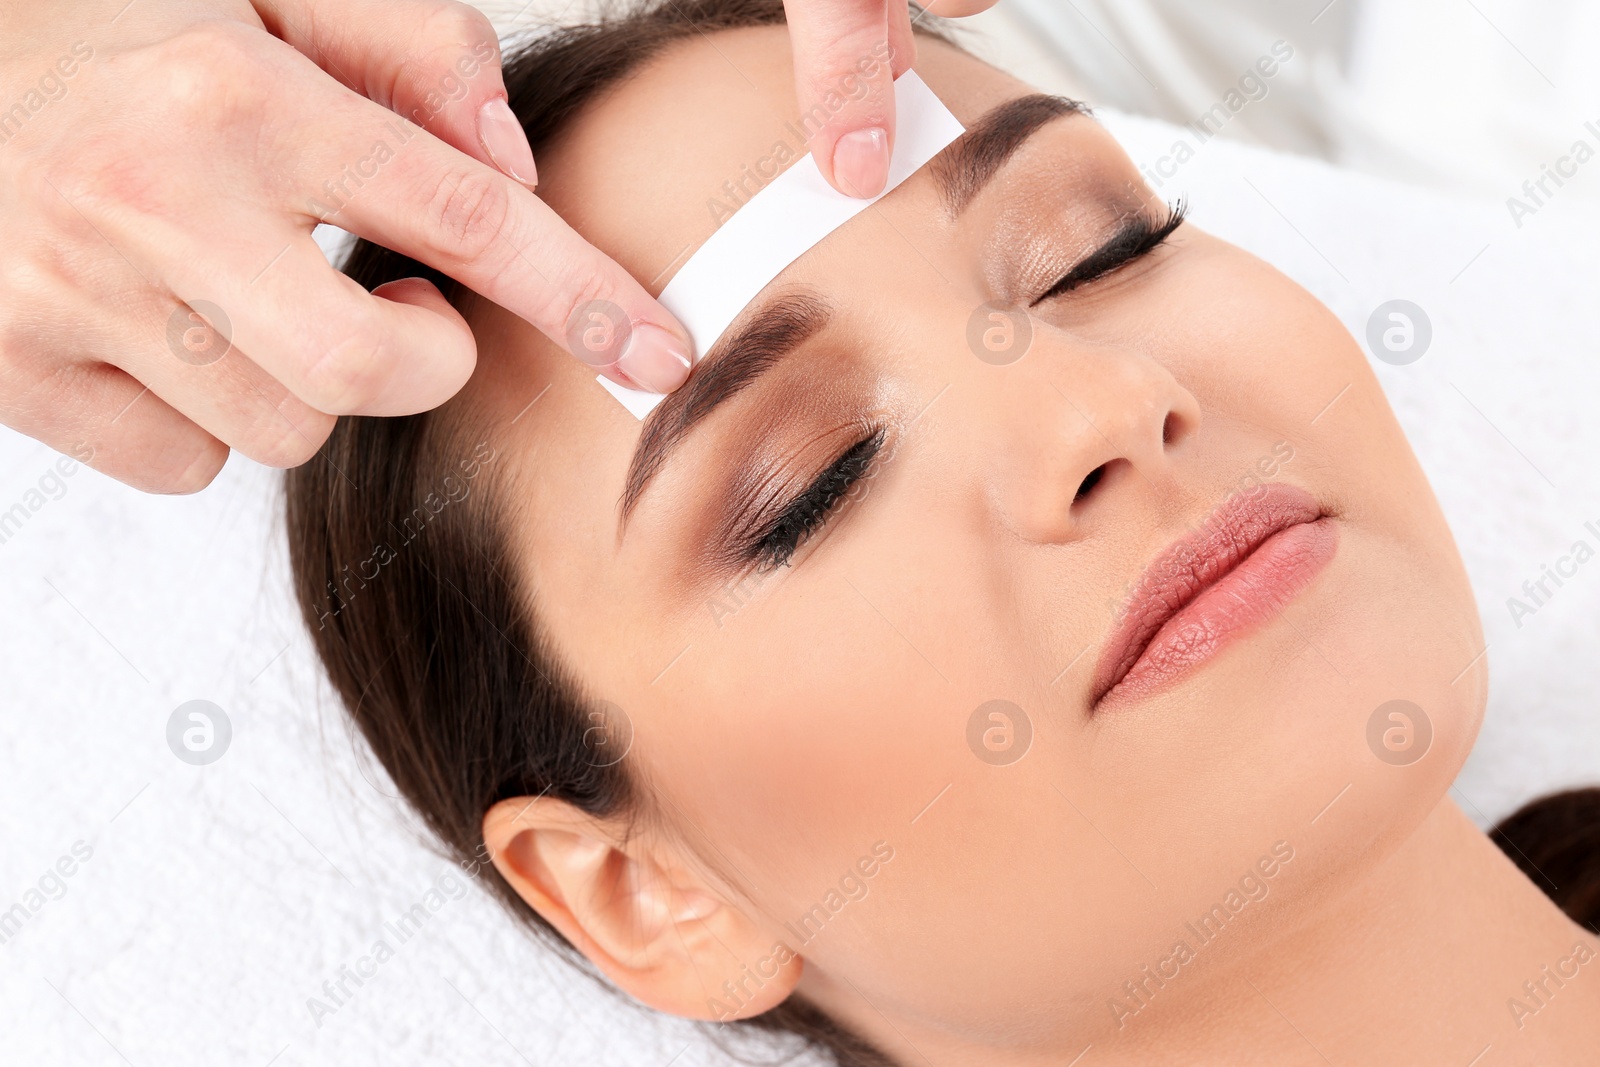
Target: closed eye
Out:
[1137,236]
[804,516]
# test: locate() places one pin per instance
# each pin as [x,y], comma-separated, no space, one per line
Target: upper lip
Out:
[1227,535]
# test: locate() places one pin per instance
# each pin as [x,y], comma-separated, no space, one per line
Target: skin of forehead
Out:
[643,170]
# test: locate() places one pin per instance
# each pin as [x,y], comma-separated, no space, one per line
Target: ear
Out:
[637,907]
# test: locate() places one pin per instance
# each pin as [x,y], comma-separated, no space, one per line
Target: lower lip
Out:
[1278,570]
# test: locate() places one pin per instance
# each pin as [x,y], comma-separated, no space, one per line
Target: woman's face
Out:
[1013,489]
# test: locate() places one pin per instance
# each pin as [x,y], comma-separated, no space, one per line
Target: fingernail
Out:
[501,136]
[655,359]
[861,161]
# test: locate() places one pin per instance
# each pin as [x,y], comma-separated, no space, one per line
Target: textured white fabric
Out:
[218,899]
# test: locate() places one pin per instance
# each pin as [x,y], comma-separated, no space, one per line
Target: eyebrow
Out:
[770,331]
[763,337]
[963,169]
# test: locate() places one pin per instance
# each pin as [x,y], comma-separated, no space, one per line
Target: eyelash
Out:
[1138,236]
[778,543]
[801,519]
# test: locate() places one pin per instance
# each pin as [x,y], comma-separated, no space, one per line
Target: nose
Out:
[1072,419]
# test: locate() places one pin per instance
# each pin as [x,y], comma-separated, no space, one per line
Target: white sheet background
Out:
[218,899]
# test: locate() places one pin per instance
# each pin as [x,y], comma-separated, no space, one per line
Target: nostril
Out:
[1089,483]
[1167,429]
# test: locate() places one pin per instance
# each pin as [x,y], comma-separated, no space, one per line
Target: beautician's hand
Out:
[847,54]
[160,158]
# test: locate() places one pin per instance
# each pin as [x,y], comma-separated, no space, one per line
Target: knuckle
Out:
[850,62]
[24,303]
[468,211]
[346,374]
[212,73]
[26,379]
[458,23]
[452,44]
[845,45]
[17,344]
[292,438]
[573,299]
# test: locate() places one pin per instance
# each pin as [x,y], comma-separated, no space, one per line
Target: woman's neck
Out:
[1443,953]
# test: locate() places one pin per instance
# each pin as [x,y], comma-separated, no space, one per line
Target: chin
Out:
[1374,713]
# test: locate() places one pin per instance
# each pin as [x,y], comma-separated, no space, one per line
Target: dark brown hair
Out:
[404,574]
[1555,840]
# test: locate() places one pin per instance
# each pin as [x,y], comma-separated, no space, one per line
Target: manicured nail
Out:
[861,161]
[655,359]
[501,136]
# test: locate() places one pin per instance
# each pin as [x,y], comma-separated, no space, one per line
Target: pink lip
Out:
[1255,553]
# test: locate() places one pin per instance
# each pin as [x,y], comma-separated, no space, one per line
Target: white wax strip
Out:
[779,223]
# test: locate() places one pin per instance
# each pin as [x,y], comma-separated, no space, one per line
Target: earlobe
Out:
[640,910]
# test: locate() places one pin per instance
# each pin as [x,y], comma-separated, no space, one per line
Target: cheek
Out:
[1247,341]
[816,700]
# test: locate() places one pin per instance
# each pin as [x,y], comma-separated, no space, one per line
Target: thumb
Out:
[436,62]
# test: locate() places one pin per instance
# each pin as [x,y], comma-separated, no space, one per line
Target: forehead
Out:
[650,169]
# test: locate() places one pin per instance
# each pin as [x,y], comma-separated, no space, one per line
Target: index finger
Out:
[467,220]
